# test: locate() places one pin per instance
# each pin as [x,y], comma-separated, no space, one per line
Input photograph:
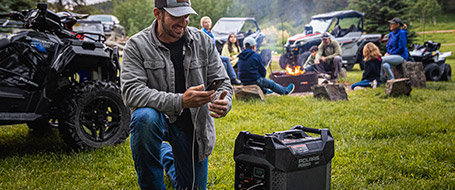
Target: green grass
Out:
[380,142]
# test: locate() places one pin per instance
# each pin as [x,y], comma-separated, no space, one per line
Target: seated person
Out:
[232,49]
[309,63]
[252,70]
[371,74]
[206,24]
[397,53]
[328,59]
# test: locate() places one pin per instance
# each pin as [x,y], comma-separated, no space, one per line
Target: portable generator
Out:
[284,160]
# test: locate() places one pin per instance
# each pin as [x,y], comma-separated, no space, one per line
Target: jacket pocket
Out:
[198,72]
[156,74]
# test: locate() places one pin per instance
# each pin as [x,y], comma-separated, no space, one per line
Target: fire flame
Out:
[294,71]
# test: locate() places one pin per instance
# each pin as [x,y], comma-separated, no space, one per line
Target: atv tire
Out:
[349,66]
[447,73]
[94,116]
[432,72]
[284,61]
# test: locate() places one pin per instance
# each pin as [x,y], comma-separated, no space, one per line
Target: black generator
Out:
[284,160]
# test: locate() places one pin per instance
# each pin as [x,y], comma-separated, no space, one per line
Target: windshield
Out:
[320,25]
[88,27]
[227,26]
[102,18]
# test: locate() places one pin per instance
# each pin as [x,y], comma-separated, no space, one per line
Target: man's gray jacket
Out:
[148,79]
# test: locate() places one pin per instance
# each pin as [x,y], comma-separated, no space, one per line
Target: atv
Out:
[433,61]
[346,27]
[50,77]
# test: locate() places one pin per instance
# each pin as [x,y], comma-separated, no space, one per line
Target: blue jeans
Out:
[228,66]
[309,68]
[270,84]
[364,83]
[149,129]
[389,60]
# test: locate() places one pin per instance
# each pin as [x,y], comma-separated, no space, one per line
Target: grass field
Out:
[380,142]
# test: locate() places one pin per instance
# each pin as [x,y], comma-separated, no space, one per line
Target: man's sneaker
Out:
[291,88]
[235,82]
[269,91]
[374,84]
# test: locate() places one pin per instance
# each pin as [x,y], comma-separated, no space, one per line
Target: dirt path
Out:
[437,31]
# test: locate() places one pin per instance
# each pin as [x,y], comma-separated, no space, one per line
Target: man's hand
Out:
[194,97]
[231,58]
[316,61]
[323,59]
[386,54]
[219,106]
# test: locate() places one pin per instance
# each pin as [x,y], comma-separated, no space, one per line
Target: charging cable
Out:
[192,148]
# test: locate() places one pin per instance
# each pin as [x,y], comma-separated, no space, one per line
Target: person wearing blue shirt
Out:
[252,70]
[397,53]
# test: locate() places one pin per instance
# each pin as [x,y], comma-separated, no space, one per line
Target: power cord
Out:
[257,185]
[192,148]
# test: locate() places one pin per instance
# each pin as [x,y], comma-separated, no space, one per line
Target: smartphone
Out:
[214,85]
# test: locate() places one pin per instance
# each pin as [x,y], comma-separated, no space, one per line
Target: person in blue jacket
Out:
[252,70]
[397,53]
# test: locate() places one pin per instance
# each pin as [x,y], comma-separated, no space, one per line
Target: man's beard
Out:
[168,29]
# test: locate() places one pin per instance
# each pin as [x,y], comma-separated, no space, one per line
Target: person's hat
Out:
[249,40]
[176,8]
[325,35]
[396,20]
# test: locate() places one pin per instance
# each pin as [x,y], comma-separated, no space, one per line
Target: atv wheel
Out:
[42,126]
[95,116]
[432,72]
[447,73]
[284,61]
[349,66]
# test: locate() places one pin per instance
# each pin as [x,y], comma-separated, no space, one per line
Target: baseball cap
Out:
[176,8]
[249,40]
[325,35]
[396,20]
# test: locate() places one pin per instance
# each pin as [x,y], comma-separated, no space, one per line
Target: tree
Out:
[16,5]
[134,15]
[426,9]
[215,9]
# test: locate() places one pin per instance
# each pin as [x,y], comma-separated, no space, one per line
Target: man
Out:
[165,68]
[328,59]
[252,70]
[206,24]
[309,63]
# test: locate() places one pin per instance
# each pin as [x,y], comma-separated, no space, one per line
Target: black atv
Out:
[50,77]
[436,68]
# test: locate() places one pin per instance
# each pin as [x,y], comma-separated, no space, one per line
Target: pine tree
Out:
[379,12]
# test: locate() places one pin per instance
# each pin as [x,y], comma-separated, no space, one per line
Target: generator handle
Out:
[306,129]
[255,137]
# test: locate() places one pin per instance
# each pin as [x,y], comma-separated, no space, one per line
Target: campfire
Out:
[293,74]
[295,71]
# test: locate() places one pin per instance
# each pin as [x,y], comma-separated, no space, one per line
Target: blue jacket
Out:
[251,66]
[210,34]
[396,45]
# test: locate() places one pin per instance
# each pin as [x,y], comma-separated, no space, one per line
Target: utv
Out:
[346,27]
[50,77]
[242,27]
